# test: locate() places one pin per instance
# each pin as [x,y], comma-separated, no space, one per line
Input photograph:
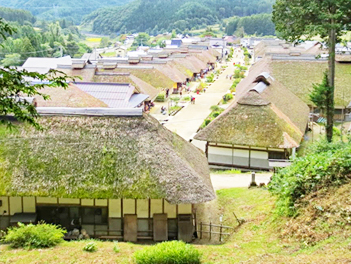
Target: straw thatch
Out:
[70,97]
[140,86]
[299,77]
[272,117]
[86,74]
[172,72]
[151,76]
[103,157]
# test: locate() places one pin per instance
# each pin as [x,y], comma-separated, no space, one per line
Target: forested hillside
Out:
[16,15]
[157,16]
[59,9]
[260,24]
[44,40]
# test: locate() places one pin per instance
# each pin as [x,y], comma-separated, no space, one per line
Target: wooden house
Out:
[261,129]
[118,176]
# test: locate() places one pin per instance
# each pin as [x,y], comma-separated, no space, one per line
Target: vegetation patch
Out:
[173,252]
[90,247]
[32,236]
[324,165]
[216,111]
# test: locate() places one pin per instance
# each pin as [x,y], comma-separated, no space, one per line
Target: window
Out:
[276,155]
[68,216]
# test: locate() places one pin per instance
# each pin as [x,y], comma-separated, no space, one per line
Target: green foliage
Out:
[181,15]
[90,247]
[12,60]
[216,111]
[322,96]
[116,247]
[173,252]
[215,108]
[32,236]
[175,99]
[104,42]
[239,74]
[186,98]
[63,9]
[210,78]
[227,97]
[16,15]
[260,24]
[307,19]
[161,97]
[325,165]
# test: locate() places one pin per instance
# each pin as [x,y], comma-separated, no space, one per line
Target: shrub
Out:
[174,98]
[186,98]
[325,165]
[161,97]
[32,236]
[215,108]
[239,74]
[210,78]
[90,247]
[172,252]
[116,248]
[227,97]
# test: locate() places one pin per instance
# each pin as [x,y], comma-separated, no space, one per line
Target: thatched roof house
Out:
[114,176]
[103,157]
[266,121]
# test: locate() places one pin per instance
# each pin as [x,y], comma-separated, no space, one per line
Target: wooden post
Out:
[210,230]
[220,233]
[201,230]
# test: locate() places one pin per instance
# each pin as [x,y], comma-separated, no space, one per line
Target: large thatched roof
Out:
[261,116]
[70,97]
[103,157]
[299,77]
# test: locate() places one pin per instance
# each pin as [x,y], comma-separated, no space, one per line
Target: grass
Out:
[256,241]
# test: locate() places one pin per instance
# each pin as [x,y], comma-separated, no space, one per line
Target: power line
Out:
[31,52]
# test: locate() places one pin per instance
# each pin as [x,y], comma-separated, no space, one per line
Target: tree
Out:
[104,42]
[72,48]
[15,85]
[12,60]
[322,97]
[297,19]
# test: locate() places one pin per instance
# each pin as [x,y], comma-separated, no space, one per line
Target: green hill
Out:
[164,15]
[61,9]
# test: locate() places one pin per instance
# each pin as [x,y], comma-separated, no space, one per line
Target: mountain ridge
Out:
[165,15]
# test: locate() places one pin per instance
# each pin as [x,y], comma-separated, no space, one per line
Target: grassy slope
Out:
[256,241]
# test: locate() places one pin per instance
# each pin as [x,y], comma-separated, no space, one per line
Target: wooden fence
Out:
[213,229]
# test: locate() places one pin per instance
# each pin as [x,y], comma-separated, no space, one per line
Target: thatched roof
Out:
[70,97]
[151,76]
[103,157]
[299,77]
[191,63]
[261,116]
[87,74]
[172,72]
[206,56]
[140,86]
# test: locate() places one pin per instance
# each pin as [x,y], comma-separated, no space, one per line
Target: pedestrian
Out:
[204,90]
[180,93]
[192,99]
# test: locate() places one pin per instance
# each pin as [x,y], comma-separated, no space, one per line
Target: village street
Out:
[188,120]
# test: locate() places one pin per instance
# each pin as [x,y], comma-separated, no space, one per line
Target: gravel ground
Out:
[223,181]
